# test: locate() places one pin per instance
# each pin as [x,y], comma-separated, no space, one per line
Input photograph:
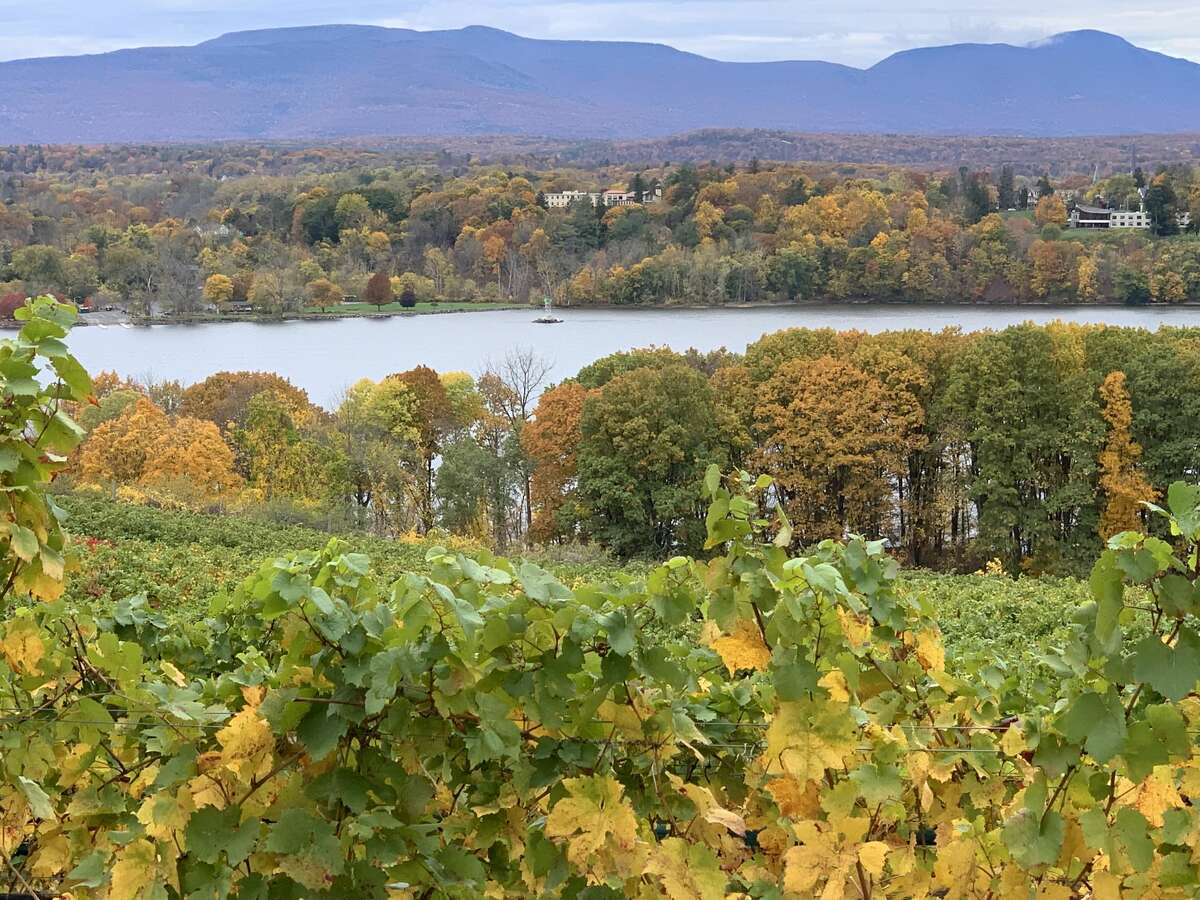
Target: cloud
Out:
[856,32]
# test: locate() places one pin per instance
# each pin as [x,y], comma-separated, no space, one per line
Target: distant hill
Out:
[343,81]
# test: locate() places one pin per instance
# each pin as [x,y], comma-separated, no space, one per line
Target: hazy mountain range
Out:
[344,81]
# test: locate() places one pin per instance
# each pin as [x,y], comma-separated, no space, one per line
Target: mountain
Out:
[343,81]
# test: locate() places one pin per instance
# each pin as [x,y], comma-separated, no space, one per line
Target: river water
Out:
[325,357]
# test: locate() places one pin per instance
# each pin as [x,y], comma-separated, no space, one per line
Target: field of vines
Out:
[181,561]
[195,709]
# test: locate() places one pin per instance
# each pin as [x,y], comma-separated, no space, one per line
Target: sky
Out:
[854,32]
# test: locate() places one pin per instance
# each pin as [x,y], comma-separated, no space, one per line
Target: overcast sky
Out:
[856,32]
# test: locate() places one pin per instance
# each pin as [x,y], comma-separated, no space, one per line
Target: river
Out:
[325,357]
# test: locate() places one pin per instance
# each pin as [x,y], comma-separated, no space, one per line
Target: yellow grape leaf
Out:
[22,646]
[873,855]
[247,743]
[164,814]
[1013,742]
[774,840]
[687,871]
[1106,886]
[52,856]
[857,629]
[796,799]
[954,870]
[33,580]
[804,867]
[834,681]
[144,779]
[807,738]
[930,652]
[726,819]
[743,649]
[173,673]
[598,825]
[133,873]
[817,858]
[623,717]
[1154,797]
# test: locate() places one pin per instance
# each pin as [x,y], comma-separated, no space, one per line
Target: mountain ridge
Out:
[345,81]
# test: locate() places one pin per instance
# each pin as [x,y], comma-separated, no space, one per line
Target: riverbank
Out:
[344,311]
[394,310]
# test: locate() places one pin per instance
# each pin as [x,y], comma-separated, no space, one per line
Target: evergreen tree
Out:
[1007,188]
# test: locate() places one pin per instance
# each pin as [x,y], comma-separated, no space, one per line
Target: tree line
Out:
[1027,445]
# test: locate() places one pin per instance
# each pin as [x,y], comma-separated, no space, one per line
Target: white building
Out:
[563,199]
[1083,216]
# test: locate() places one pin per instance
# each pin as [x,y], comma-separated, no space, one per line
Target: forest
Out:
[184,233]
[1029,445]
[211,706]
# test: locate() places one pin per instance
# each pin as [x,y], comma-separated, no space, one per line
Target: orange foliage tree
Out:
[144,446]
[551,440]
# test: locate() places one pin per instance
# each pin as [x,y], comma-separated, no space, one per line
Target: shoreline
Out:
[121,320]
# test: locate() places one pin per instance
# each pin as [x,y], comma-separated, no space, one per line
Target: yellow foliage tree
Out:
[1125,487]
[1050,211]
[192,450]
[218,289]
[117,450]
[143,446]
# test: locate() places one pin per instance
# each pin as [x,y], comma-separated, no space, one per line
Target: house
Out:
[563,199]
[1083,216]
[621,198]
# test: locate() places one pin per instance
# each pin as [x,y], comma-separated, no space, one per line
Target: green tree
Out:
[646,438]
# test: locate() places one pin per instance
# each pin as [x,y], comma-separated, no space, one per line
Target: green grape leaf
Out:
[1035,840]
[1098,722]
[211,831]
[39,801]
[320,730]
[1172,671]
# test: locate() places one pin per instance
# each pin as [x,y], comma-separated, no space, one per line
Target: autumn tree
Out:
[1050,210]
[833,437]
[10,303]
[376,436]
[218,289]
[323,293]
[144,447]
[282,458]
[551,442]
[379,290]
[435,419]
[1125,487]
[224,397]
[193,452]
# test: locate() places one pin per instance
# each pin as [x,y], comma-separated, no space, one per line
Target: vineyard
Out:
[195,709]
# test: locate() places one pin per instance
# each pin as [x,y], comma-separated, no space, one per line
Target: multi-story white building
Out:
[1083,216]
[563,199]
